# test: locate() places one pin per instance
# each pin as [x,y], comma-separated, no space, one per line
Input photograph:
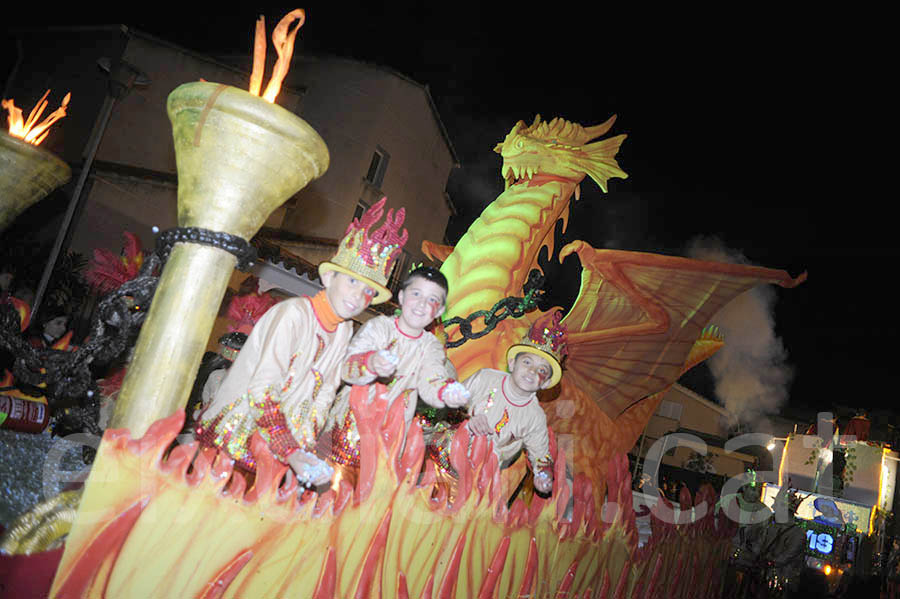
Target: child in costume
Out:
[283,381]
[398,348]
[244,311]
[504,407]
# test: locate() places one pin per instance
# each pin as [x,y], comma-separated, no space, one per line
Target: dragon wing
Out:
[638,315]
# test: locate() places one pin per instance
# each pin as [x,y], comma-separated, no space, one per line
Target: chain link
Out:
[514,307]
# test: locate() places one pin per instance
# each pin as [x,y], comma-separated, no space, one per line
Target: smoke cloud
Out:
[751,372]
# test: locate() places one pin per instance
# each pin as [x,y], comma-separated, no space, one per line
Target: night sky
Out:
[739,128]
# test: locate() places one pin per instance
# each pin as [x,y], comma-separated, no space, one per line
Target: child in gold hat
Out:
[283,382]
[400,351]
[504,407]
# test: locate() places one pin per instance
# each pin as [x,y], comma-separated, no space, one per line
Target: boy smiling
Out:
[504,405]
[282,383]
[401,350]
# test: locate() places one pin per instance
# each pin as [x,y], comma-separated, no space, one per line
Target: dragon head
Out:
[559,148]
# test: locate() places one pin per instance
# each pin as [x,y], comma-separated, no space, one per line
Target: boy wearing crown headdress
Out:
[400,350]
[504,406]
[283,381]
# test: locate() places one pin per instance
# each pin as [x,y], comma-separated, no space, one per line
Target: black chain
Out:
[514,307]
[65,377]
[233,244]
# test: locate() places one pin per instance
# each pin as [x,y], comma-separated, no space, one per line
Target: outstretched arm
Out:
[537,446]
[435,382]
[367,356]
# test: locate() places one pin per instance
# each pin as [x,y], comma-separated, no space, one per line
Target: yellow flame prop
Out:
[283,38]
[179,523]
[28,130]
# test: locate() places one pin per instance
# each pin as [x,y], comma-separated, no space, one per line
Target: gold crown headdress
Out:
[547,338]
[370,255]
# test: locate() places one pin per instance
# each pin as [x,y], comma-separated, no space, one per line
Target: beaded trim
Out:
[320,348]
[490,401]
[357,365]
[504,420]
[290,377]
[273,428]
[345,442]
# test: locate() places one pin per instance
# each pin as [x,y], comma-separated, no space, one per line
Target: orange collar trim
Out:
[328,320]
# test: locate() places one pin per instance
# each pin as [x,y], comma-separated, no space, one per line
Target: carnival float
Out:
[160,519]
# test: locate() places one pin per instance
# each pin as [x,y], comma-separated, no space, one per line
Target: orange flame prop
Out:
[283,38]
[28,130]
[181,523]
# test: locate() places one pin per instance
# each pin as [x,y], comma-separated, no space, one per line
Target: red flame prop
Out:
[182,523]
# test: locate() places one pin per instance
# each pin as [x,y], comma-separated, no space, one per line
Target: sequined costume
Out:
[518,422]
[282,383]
[422,373]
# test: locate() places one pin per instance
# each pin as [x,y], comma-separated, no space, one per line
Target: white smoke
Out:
[752,375]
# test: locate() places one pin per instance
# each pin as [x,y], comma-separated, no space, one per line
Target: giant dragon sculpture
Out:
[639,321]
[155,522]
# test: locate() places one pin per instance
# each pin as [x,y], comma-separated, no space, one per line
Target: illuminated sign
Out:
[860,516]
[821,542]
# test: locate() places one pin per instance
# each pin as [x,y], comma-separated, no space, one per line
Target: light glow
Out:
[30,130]
[784,455]
[882,477]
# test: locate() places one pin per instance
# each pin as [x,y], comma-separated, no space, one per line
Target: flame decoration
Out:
[283,39]
[30,130]
[181,523]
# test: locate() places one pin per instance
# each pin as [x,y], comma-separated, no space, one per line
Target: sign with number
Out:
[822,542]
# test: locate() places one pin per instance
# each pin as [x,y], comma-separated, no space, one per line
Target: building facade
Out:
[384,136]
[690,432]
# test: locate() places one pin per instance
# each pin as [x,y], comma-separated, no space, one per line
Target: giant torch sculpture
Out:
[239,157]
[27,172]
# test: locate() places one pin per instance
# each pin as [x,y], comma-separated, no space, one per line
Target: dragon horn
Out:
[598,130]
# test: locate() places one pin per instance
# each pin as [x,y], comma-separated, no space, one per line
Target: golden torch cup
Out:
[239,157]
[27,174]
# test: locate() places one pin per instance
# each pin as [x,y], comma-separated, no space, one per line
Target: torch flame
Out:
[28,130]
[283,39]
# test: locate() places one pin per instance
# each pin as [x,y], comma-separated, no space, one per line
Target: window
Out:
[669,409]
[361,208]
[378,167]
[400,270]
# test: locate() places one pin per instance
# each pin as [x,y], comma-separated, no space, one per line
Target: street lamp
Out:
[772,443]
